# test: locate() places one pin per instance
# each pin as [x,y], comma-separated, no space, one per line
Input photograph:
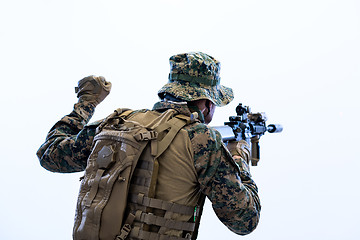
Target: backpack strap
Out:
[173,125]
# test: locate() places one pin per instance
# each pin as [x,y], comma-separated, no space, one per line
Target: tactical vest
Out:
[126,190]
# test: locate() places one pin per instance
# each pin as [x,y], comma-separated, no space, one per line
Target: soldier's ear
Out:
[209,105]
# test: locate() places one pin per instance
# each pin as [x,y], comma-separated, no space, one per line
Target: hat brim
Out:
[187,91]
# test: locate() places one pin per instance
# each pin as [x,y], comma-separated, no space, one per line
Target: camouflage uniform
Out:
[226,181]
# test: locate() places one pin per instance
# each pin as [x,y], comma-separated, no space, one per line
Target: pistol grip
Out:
[255,150]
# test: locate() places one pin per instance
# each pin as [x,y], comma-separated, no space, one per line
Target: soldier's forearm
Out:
[235,199]
[82,113]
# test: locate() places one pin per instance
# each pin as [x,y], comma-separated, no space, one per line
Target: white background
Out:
[298,61]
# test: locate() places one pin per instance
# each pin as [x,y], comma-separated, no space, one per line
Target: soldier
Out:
[196,163]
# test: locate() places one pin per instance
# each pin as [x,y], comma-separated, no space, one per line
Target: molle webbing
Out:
[160,204]
[140,234]
[152,219]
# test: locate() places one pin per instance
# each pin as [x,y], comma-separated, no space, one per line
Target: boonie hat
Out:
[194,76]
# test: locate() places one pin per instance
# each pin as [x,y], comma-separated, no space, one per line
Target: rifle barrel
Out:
[274,128]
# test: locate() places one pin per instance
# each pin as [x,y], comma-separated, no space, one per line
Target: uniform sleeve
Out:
[67,145]
[226,182]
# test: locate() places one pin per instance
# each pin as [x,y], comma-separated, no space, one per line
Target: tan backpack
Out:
[108,200]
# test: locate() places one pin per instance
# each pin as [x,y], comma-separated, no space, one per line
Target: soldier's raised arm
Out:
[68,142]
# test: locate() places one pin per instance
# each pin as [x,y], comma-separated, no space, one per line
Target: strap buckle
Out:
[145,136]
[125,230]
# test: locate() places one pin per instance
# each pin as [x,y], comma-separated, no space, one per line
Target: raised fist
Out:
[93,89]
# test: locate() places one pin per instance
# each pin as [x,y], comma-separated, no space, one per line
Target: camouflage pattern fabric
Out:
[226,181]
[68,142]
[195,76]
[195,65]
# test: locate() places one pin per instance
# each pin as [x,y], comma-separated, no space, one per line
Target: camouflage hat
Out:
[195,76]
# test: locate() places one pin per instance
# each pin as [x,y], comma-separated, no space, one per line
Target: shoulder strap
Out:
[158,147]
[173,126]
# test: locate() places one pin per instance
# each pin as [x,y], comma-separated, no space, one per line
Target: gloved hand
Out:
[93,89]
[240,148]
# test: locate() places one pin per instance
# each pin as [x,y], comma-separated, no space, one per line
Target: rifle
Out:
[247,126]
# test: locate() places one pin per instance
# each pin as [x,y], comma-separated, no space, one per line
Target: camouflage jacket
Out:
[225,181]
